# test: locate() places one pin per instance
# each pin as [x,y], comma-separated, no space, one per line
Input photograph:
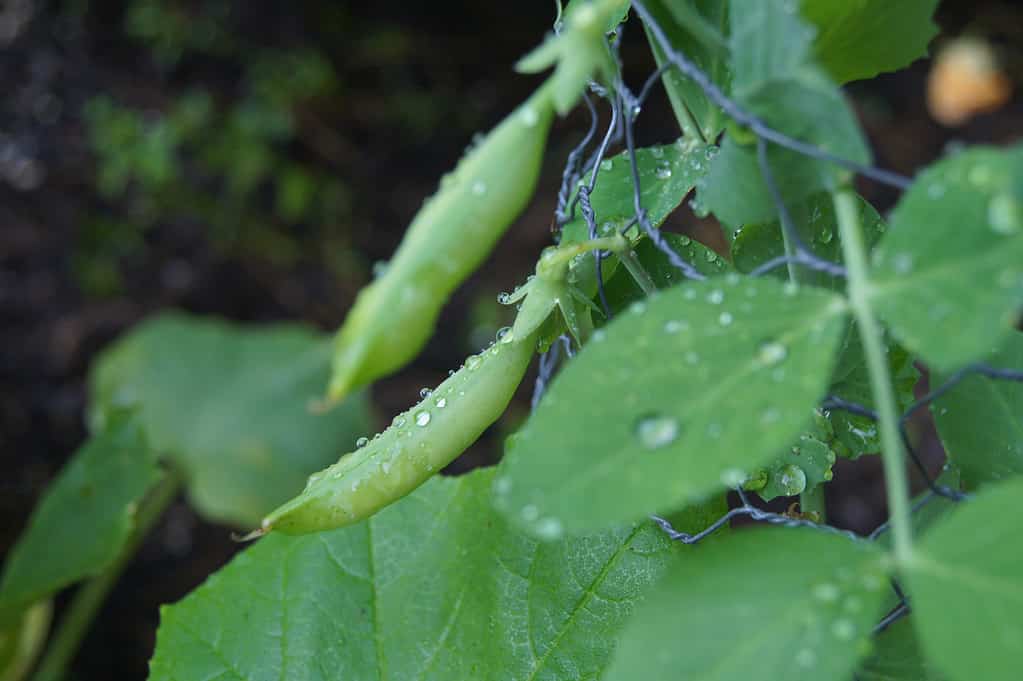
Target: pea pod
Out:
[450,236]
[418,443]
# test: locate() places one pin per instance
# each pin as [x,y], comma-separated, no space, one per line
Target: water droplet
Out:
[361,442]
[399,421]
[472,362]
[663,171]
[530,117]
[504,298]
[504,335]
[599,336]
[716,297]
[771,353]
[424,393]
[441,402]
[732,477]
[657,152]
[689,294]
[1005,214]
[825,236]
[792,480]
[826,592]
[903,263]
[710,255]
[684,240]
[530,513]
[843,629]
[379,268]
[656,430]
[806,658]
[725,318]
[790,288]
[607,164]
[675,325]
[692,357]
[549,528]
[770,415]
[502,485]
[936,191]
[637,307]
[423,418]
[479,187]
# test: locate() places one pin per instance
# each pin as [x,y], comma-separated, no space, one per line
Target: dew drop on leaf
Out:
[423,418]
[361,442]
[843,629]
[1004,214]
[441,402]
[656,430]
[472,362]
[607,164]
[663,171]
[725,318]
[549,528]
[826,592]
[424,393]
[792,480]
[716,297]
[772,353]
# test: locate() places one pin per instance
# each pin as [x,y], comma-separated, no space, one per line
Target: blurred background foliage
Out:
[253,160]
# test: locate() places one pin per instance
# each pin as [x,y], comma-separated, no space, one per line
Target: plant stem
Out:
[90,596]
[636,269]
[892,456]
[812,501]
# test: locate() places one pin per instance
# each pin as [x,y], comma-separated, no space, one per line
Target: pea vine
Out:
[670,380]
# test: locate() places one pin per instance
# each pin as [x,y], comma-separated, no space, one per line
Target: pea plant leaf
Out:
[666,174]
[436,586]
[702,27]
[230,406]
[83,520]
[677,399]
[966,587]
[994,451]
[861,38]
[766,603]
[897,656]
[948,275]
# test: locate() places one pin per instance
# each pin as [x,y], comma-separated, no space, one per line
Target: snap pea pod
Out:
[417,444]
[451,235]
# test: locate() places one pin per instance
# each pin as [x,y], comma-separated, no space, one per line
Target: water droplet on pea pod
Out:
[657,430]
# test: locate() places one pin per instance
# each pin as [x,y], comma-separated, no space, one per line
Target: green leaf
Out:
[756,243]
[230,405]
[801,468]
[897,656]
[806,107]
[966,587]
[948,275]
[436,586]
[666,174]
[861,38]
[21,641]
[769,42]
[796,605]
[622,289]
[674,400]
[700,26]
[980,421]
[83,520]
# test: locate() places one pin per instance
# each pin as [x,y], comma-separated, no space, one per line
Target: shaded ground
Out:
[417,80]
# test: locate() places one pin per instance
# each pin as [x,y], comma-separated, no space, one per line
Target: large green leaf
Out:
[230,405]
[769,42]
[981,420]
[805,107]
[436,586]
[948,274]
[84,519]
[672,401]
[862,38]
[666,174]
[700,28]
[966,585]
[897,656]
[779,604]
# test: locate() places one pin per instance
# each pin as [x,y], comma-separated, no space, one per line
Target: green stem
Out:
[90,596]
[636,269]
[812,501]
[892,456]
[790,251]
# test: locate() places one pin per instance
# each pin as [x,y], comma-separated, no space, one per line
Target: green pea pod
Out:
[450,236]
[418,443]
